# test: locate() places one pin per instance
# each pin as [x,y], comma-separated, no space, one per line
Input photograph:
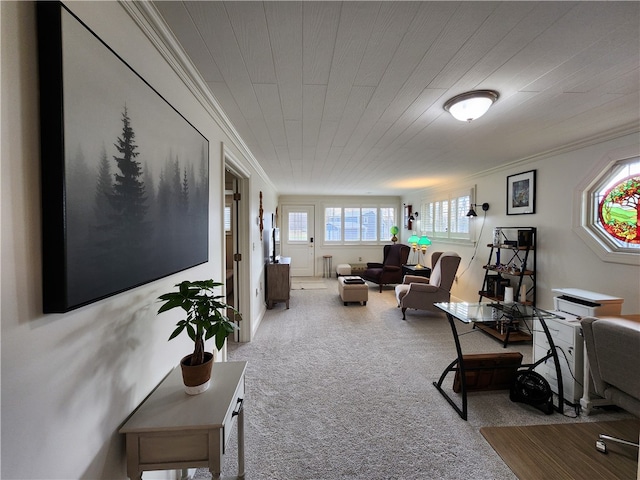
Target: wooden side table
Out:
[173,430]
[420,271]
[326,266]
[278,282]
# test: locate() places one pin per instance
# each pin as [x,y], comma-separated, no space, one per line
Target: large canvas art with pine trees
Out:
[125,189]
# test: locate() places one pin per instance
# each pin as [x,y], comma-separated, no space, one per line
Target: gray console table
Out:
[173,430]
[278,282]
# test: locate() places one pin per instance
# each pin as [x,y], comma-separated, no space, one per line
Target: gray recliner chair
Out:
[613,350]
[421,293]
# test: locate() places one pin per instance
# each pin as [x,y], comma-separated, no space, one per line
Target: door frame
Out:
[241,270]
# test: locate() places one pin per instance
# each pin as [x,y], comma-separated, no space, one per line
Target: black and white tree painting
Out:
[135,171]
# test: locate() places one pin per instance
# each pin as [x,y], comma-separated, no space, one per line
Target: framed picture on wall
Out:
[125,177]
[521,193]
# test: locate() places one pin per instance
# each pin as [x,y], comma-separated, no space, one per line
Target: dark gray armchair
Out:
[390,270]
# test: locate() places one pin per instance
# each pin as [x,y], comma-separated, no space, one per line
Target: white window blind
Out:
[358,224]
[444,216]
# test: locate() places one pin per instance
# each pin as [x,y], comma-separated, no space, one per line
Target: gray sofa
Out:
[613,350]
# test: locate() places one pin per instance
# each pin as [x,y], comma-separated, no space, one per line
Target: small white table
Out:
[173,430]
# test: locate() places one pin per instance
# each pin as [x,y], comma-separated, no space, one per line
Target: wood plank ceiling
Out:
[345,98]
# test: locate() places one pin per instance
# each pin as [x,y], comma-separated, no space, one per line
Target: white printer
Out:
[572,304]
[582,303]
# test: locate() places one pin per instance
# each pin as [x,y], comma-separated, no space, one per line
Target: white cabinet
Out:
[569,346]
[574,303]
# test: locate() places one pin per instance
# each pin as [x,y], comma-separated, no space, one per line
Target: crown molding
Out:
[608,135]
[149,20]
[612,134]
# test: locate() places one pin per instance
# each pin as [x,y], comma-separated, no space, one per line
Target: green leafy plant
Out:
[206,314]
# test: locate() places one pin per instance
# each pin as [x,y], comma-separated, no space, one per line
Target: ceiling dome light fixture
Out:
[471,105]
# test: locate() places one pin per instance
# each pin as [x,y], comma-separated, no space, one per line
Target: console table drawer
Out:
[166,448]
[236,405]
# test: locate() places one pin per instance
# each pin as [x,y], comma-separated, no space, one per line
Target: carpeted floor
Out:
[308,283]
[340,392]
[308,286]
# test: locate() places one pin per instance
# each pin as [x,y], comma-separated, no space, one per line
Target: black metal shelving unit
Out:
[511,257]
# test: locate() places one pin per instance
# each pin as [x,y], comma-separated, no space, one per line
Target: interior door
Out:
[232,243]
[298,239]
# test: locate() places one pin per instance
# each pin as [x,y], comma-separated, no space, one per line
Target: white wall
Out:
[256,291]
[563,258]
[341,253]
[70,380]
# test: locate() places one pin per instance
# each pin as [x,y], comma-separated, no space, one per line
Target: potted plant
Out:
[206,318]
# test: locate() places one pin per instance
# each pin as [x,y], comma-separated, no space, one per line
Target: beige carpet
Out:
[567,451]
[308,283]
[338,392]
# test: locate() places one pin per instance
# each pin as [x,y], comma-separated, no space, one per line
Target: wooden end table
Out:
[418,270]
[173,430]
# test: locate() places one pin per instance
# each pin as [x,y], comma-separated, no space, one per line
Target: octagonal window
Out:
[618,211]
[615,207]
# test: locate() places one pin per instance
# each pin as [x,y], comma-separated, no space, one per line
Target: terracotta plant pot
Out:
[196,378]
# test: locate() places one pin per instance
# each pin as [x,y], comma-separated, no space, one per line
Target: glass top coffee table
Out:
[466,312]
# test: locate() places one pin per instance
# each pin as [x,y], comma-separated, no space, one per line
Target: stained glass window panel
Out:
[619,208]
[616,206]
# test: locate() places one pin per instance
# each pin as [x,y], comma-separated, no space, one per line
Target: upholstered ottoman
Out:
[353,292]
[358,268]
[343,269]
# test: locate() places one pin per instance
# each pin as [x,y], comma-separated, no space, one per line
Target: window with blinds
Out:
[445,217]
[358,224]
